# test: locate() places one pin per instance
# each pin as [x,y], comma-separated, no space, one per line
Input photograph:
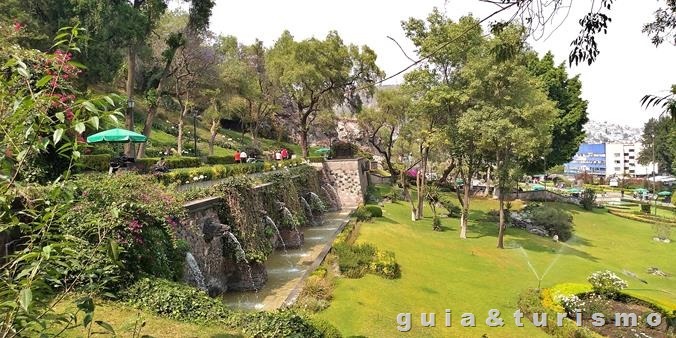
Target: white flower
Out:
[195,178]
[186,182]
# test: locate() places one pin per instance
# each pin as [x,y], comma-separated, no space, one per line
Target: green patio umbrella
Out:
[574,190]
[537,187]
[322,150]
[117,135]
[641,191]
[664,193]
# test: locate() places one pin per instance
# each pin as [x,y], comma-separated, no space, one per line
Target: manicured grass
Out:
[123,319]
[441,271]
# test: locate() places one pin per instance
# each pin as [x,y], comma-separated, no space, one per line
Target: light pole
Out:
[130,111]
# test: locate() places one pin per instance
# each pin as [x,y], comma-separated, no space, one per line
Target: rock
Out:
[656,271]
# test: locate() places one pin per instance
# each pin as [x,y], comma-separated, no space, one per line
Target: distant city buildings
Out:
[610,160]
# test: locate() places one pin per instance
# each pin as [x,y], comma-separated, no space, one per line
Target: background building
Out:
[609,159]
[590,158]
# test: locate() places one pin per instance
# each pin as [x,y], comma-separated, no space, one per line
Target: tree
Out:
[380,126]
[439,92]
[572,112]
[261,94]
[512,117]
[660,135]
[313,75]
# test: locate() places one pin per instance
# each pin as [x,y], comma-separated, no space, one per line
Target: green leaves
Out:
[58,133]
[25,298]
[106,326]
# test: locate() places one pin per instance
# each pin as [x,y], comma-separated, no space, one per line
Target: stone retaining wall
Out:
[349,177]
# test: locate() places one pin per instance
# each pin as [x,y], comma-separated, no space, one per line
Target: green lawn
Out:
[441,271]
[124,319]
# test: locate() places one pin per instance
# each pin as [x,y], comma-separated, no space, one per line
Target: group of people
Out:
[241,157]
[281,154]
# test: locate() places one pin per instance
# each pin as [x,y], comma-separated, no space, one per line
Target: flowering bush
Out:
[606,283]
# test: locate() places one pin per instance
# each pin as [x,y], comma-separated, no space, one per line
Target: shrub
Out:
[395,194]
[136,213]
[283,323]
[374,210]
[252,151]
[645,208]
[436,223]
[362,214]
[606,283]
[453,210]
[316,159]
[371,195]
[588,199]
[220,160]
[95,162]
[385,265]
[555,221]
[354,260]
[176,301]
[326,329]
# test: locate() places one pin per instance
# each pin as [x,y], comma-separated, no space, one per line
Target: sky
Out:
[628,67]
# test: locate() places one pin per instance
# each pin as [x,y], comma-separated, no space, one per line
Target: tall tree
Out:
[660,135]
[380,125]
[512,118]
[439,90]
[318,74]
[567,132]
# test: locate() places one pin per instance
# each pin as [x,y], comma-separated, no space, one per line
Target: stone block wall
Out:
[208,252]
[349,177]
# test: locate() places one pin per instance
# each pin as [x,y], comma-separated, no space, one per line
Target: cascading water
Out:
[195,272]
[336,197]
[286,214]
[306,206]
[241,256]
[330,197]
[317,201]
[269,220]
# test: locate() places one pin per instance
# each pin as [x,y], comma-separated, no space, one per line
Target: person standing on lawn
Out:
[242,156]
[285,154]
[237,156]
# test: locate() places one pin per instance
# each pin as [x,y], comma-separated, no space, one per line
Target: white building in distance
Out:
[622,160]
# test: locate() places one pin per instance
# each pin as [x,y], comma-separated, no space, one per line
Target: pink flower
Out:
[69,114]
[17,26]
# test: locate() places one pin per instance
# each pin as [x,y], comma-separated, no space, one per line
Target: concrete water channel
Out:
[288,268]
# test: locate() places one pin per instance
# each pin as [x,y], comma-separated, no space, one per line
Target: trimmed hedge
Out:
[316,159]
[95,162]
[172,162]
[220,160]
[374,210]
[215,172]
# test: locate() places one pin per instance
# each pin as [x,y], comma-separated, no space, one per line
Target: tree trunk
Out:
[213,130]
[407,195]
[464,216]
[179,139]
[128,121]
[501,232]
[488,181]
[147,129]
[422,183]
[303,142]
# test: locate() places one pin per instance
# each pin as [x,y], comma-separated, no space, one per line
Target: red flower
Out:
[17,26]
[69,115]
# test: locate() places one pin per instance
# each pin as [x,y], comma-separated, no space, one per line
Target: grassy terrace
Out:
[441,271]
